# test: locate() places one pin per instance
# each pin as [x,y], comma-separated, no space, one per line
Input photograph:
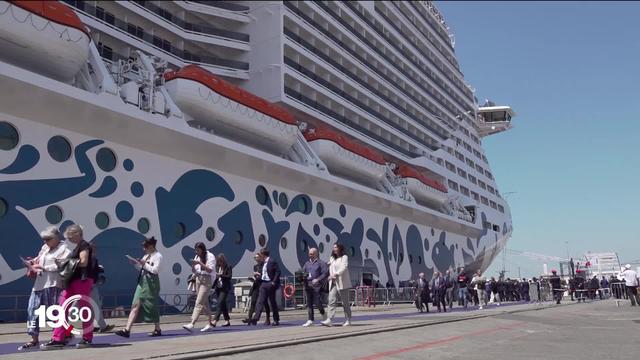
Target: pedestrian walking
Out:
[145,299]
[631,280]
[224,273]
[339,284]
[256,278]
[438,289]
[556,286]
[315,274]
[203,267]
[421,288]
[270,283]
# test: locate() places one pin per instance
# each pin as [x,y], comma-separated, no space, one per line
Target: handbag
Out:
[66,268]
[191,283]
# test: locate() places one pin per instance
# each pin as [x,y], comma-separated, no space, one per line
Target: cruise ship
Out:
[284,125]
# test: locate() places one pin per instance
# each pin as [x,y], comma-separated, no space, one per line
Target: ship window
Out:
[366,253]
[496,228]
[105,51]
[321,248]
[462,173]
[237,237]
[136,31]
[450,166]
[303,246]
[473,179]
[320,209]
[179,230]
[484,200]
[3,207]
[105,15]
[302,204]
[9,137]
[53,214]
[143,225]
[453,185]
[59,148]
[470,163]
[262,195]
[475,196]
[283,242]
[501,208]
[283,200]
[106,159]
[486,225]
[459,156]
[210,233]
[262,240]
[491,190]
[102,220]
[464,190]
[493,204]
[410,259]
[482,184]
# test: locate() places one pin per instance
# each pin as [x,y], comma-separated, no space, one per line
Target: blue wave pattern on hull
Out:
[177,208]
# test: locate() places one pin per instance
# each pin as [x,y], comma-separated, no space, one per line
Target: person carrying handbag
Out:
[80,272]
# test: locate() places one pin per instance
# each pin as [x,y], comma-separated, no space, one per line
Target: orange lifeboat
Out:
[345,156]
[231,111]
[45,37]
[423,188]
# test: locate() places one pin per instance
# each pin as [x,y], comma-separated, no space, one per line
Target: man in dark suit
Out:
[255,291]
[270,276]
[422,292]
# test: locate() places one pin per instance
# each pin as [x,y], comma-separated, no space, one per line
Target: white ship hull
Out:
[180,179]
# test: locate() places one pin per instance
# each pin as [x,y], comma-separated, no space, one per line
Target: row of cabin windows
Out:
[475,196]
[489,226]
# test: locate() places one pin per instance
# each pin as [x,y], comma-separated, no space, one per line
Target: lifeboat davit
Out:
[346,157]
[424,189]
[231,111]
[45,37]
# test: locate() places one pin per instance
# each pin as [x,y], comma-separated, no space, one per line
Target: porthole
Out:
[53,214]
[352,251]
[321,248]
[302,204]
[283,243]
[327,238]
[419,259]
[390,255]
[9,137]
[262,240]
[177,268]
[3,207]
[379,255]
[210,234]
[401,257]
[262,196]
[303,245]
[410,259]
[177,281]
[320,209]
[106,159]
[143,225]
[102,220]
[179,230]
[59,148]
[366,253]
[237,237]
[283,200]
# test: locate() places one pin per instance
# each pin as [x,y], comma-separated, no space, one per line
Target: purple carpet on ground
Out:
[12,348]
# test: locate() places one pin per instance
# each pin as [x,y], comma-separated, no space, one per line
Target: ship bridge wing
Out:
[494,119]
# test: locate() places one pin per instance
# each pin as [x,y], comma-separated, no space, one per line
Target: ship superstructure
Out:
[285,125]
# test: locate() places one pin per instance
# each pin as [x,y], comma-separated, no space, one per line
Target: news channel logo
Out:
[77,309]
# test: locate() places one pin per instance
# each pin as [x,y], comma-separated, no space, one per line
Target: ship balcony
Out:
[494,119]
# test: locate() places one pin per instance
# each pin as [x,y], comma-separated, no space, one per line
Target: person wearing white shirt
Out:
[202,267]
[47,286]
[339,283]
[631,280]
[145,299]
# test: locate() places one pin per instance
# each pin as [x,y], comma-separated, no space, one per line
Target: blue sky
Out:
[571,71]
